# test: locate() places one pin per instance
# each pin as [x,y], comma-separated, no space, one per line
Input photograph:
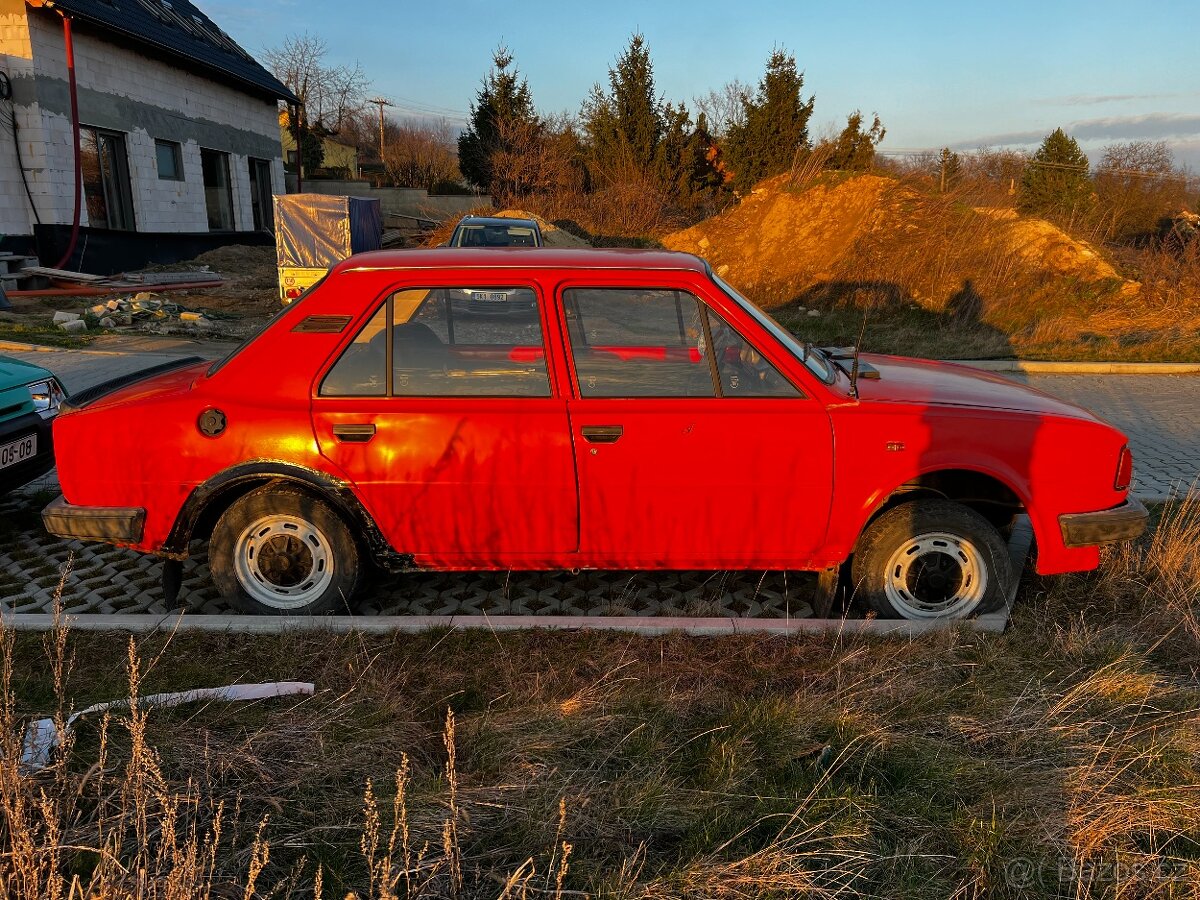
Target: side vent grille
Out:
[322,325]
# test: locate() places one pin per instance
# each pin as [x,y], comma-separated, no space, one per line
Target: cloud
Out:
[1151,126]
[1095,99]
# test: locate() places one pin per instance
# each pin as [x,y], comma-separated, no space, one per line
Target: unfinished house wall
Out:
[16,61]
[144,99]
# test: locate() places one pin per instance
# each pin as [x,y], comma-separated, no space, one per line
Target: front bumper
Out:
[111,524]
[1107,526]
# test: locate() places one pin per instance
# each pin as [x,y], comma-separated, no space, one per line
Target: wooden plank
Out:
[64,275]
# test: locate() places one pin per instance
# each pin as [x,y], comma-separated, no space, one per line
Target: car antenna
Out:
[862,333]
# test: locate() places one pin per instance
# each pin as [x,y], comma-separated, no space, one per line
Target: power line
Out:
[427,107]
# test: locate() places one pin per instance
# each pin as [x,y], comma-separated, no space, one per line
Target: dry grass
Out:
[1061,759]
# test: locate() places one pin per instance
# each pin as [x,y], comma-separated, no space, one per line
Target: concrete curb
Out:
[1037,367]
[649,626]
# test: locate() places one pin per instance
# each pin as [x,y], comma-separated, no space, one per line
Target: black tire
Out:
[301,559]
[927,559]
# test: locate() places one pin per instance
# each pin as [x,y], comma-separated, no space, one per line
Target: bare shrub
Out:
[725,109]
[420,154]
[1137,185]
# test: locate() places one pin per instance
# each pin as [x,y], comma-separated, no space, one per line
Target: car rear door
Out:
[450,426]
[689,456]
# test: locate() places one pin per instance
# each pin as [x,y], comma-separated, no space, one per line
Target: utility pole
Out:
[298,129]
[381,102]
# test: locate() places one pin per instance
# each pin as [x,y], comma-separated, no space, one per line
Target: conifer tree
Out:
[624,123]
[1056,182]
[775,126]
[949,168]
[503,107]
[854,149]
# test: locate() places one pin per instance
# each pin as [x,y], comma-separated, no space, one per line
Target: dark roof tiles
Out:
[179,29]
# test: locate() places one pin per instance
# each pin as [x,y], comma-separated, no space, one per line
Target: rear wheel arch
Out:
[208,502]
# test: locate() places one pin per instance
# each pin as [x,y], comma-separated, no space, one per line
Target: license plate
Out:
[18,451]
[485,297]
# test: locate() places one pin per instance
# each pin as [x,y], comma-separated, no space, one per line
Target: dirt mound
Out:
[551,234]
[241,262]
[251,281]
[1047,246]
[872,241]
[779,235]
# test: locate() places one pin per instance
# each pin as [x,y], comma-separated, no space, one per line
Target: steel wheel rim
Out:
[935,576]
[284,562]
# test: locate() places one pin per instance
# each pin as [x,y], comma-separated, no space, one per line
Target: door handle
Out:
[354,434]
[602,434]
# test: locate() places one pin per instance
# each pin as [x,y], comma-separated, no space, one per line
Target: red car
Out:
[643,415]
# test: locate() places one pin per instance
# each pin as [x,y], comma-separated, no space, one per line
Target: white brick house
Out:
[179,126]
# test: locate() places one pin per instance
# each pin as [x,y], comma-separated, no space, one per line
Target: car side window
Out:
[447,342]
[361,371]
[743,370]
[637,343]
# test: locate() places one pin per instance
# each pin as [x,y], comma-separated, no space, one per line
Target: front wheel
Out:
[279,551]
[931,559]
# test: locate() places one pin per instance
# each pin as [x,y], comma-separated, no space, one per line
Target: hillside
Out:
[943,277]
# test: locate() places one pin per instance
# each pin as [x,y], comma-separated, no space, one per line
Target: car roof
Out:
[521,258]
[498,220]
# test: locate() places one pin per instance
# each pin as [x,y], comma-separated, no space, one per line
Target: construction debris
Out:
[21,276]
[143,311]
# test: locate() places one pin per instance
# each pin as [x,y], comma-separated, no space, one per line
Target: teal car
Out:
[29,401]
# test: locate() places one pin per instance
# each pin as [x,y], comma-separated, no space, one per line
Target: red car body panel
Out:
[461,482]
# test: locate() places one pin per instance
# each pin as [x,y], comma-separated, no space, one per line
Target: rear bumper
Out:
[1107,526]
[111,524]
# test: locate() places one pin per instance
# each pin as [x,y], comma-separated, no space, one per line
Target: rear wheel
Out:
[280,551]
[931,559]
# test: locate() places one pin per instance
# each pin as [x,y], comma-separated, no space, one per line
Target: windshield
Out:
[813,359]
[495,236]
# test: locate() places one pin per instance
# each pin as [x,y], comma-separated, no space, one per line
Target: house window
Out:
[170,160]
[106,186]
[260,194]
[218,192]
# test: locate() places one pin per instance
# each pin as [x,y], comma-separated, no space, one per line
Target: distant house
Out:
[178,126]
[338,160]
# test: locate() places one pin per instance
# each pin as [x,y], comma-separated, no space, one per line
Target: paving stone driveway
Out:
[1160,413]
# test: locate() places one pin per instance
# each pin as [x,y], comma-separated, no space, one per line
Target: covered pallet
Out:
[315,231]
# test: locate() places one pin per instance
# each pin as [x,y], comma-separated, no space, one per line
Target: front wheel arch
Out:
[989,494]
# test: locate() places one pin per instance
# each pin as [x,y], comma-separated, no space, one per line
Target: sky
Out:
[963,75]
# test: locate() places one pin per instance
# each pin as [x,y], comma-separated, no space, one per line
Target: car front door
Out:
[693,449]
[443,414]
